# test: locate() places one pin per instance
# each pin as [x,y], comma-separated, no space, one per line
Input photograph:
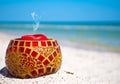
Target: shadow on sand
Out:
[5,72]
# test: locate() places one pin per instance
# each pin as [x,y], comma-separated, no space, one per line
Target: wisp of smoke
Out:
[36,20]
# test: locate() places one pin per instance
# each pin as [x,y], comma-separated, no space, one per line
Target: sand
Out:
[79,66]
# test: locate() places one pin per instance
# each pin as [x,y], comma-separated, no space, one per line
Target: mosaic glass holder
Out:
[33,58]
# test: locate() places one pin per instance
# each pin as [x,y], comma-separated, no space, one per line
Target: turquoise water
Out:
[105,36]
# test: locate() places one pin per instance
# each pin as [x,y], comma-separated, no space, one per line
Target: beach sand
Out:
[79,66]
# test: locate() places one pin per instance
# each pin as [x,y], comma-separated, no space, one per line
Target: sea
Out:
[102,36]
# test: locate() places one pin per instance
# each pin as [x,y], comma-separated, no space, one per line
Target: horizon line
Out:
[65,22]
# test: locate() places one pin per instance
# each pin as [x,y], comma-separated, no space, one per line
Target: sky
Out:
[60,10]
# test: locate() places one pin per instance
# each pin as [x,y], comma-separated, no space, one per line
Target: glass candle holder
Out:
[33,58]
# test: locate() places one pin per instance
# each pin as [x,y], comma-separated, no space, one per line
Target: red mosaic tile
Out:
[27,76]
[41,66]
[27,44]
[31,66]
[54,44]
[34,54]
[34,43]
[55,54]
[49,43]
[46,62]
[41,71]
[34,73]
[24,55]
[43,43]
[21,49]
[41,58]
[28,50]
[39,62]
[15,43]
[10,49]
[50,57]
[29,59]
[48,69]
[58,49]
[54,69]
[15,49]
[21,44]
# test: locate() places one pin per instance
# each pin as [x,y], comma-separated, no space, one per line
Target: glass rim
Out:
[18,39]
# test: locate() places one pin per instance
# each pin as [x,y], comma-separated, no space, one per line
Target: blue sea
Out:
[88,35]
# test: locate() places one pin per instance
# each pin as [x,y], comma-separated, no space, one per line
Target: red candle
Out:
[34,37]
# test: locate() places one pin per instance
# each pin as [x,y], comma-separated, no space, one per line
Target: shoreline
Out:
[91,47]
[78,66]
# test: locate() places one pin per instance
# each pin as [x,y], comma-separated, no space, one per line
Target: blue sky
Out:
[60,10]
